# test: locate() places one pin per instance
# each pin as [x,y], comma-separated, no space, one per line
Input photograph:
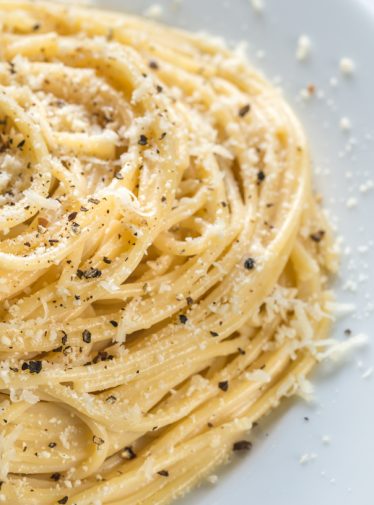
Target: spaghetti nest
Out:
[163,261]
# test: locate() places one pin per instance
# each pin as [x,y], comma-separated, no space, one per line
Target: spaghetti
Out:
[163,259]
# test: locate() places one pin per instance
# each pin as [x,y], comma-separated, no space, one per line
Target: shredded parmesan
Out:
[258,376]
[345,124]
[340,350]
[347,66]
[304,46]
[257,5]
[305,389]
[153,11]
[307,458]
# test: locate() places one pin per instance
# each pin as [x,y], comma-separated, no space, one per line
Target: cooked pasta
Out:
[163,259]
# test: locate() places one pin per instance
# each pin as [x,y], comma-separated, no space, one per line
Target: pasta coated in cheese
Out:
[163,259]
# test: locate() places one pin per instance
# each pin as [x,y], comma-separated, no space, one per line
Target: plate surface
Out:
[340,471]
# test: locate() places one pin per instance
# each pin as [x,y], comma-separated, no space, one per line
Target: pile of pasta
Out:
[163,259]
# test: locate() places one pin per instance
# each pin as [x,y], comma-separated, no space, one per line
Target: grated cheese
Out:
[212,479]
[303,49]
[368,373]
[257,5]
[153,11]
[351,203]
[307,458]
[258,376]
[340,350]
[305,389]
[345,124]
[340,309]
[347,66]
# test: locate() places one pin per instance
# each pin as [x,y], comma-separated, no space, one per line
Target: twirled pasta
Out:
[163,260]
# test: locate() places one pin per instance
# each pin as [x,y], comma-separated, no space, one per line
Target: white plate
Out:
[342,472]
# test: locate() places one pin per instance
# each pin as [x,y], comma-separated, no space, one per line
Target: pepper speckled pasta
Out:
[163,260]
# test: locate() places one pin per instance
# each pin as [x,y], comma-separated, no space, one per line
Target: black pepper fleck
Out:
[86,336]
[242,445]
[64,338]
[163,473]
[32,366]
[143,140]
[318,236]
[261,176]
[111,399]
[223,385]
[91,273]
[243,111]
[153,65]
[95,201]
[249,264]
